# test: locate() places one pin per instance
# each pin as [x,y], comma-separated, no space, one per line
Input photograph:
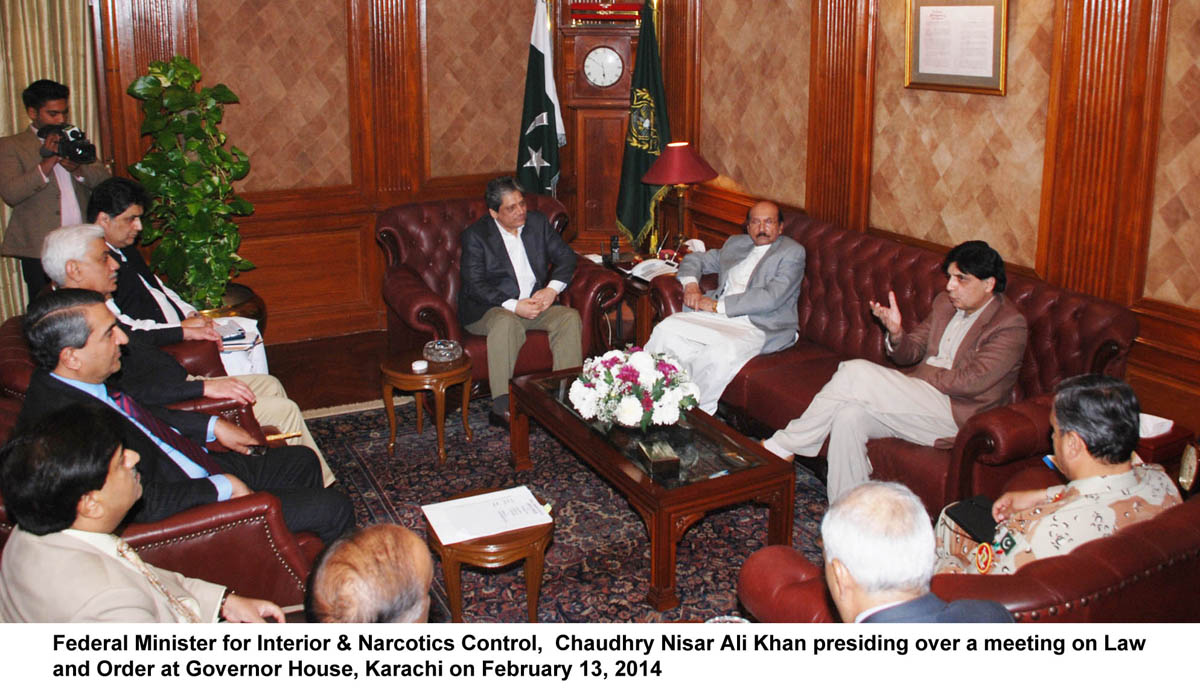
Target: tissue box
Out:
[1153,426]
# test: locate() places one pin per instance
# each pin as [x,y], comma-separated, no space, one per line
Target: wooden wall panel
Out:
[294,118]
[754,62]
[950,167]
[841,94]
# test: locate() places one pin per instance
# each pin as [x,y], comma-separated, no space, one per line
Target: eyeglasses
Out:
[768,222]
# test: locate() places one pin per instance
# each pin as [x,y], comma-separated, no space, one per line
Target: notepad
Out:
[488,514]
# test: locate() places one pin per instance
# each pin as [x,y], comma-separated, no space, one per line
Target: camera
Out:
[72,143]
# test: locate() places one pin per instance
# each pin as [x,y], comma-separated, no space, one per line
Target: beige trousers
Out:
[272,407]
[864,401]
[505,333]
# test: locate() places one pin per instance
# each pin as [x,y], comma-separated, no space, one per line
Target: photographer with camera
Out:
[47,174]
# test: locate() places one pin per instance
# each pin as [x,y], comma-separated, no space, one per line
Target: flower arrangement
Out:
[633,388]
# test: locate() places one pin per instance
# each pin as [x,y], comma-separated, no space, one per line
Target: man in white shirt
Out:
[965,355]
[44,190]
[68,483]
[752,311]
[513,267]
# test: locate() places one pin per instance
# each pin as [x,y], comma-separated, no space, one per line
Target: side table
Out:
[528,544]
[396,371]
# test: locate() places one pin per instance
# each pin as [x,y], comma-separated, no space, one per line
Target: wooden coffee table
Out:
[528,544]
[720,467]
[396,371]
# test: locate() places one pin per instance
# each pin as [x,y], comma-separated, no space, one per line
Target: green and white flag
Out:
[542,130]
[648,133]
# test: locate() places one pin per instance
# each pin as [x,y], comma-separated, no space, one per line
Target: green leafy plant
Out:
[188,172]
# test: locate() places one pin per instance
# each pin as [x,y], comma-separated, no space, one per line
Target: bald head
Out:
[379,574]
[764,222]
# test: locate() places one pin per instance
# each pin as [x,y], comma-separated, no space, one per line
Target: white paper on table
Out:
[485,515]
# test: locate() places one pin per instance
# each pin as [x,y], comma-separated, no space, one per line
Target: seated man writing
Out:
[1095,430]
[68,483]
[967,354]
[752,311]
[76,346]
[77,257]
[879,560]
[142,301]
[513,267]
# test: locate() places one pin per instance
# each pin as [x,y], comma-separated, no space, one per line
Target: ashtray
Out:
[443,350]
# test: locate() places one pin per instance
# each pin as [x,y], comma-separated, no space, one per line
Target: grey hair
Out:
[882,534]
[65,244]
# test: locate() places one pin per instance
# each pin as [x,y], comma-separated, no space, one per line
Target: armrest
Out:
[778,584]
[199,358]
[421,309]
[1006,434]
[593,291]
[231,410]
[666,296]
[240,543]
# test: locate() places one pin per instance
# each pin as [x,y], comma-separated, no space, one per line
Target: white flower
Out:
[584,398]
[629,411]
[664,413]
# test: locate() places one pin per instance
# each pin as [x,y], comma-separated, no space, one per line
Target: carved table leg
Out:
[466,401]
[419,396]
[439,409]
[388,406]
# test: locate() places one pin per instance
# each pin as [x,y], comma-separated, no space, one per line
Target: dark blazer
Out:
[166,489]
[151,375]
[488,277]
[36,203]
[132,296]
[930,608]
[986,364]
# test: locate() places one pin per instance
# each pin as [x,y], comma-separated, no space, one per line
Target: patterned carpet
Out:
[598,564]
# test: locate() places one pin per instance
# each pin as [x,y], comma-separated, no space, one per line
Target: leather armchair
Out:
[421,282]
[240,543]
[844,270]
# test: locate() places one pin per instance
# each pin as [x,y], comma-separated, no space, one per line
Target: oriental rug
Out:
[598,564]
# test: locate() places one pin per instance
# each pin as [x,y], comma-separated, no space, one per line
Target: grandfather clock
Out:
[598,41]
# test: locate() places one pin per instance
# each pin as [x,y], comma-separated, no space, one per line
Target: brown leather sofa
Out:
[1145,573]
[241,543]
[421,282]
[1069,334]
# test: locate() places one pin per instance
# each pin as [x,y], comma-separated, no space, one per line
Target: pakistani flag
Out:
[648,132]
[541,122]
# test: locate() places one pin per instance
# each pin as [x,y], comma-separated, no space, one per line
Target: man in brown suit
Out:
[966,355]
[33,180]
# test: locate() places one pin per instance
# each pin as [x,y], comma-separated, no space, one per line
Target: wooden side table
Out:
[397,374]
[528,544]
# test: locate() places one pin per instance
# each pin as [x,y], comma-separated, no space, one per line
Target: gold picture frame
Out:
[956,45]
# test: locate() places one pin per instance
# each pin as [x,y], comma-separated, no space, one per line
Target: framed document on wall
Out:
[956,45]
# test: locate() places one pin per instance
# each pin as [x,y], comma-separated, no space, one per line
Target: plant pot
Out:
[241,301]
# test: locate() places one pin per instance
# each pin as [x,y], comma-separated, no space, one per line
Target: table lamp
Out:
[679,166]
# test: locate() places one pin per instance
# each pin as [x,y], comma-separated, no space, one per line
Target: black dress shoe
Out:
[498,420]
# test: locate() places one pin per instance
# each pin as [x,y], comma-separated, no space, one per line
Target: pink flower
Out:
[665,368]
[647,402]
[628,373]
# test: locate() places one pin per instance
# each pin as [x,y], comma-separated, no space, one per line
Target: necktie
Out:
[164,432]
[184,610]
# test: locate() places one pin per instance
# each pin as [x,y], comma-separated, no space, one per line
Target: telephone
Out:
[648,269]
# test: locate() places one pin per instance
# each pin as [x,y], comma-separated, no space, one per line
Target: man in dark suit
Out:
[513,266]
[76,345]
[879,559]
[44,190]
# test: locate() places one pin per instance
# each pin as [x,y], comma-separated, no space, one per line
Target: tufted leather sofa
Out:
[1144,573]
[241,543]
[1069,334]
[421,282]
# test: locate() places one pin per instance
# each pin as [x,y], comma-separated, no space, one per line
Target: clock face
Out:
[603,67]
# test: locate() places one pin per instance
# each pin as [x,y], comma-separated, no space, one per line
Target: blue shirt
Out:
[191,468]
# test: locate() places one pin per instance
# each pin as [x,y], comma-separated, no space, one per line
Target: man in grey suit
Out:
[879,560]
[513,267]
[752,311]
[44,190]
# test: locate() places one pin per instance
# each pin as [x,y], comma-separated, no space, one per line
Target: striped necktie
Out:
[164,432]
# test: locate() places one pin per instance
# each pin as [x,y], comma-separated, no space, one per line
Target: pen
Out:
[718,474]
[282,436]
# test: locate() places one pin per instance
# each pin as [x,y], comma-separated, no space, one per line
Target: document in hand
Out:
[485,515]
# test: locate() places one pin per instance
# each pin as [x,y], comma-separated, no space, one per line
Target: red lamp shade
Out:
[679,164]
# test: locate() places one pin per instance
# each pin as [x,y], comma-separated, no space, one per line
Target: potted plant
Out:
[189,172]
